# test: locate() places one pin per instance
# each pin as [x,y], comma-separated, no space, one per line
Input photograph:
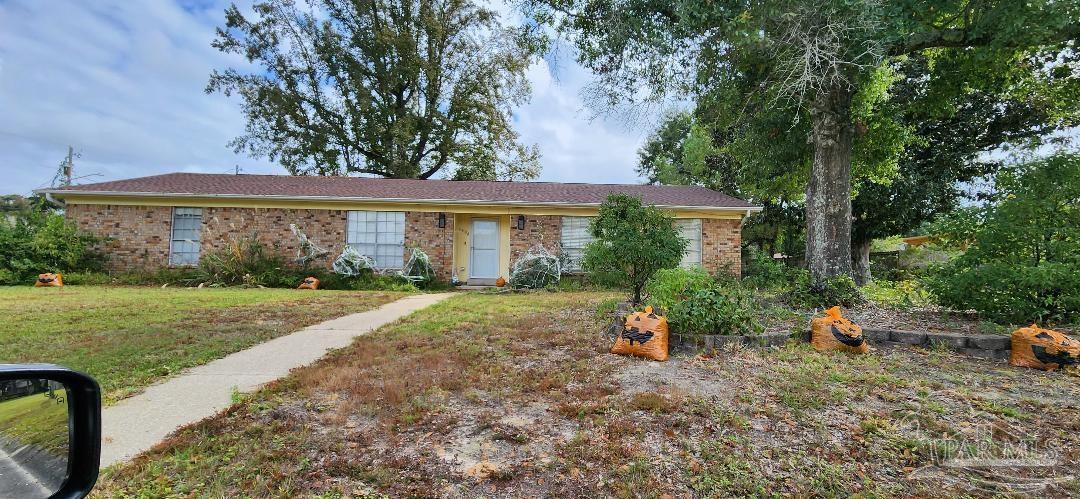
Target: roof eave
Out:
[344,199]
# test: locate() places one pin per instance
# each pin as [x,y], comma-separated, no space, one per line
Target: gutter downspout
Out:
[742,221]
[49,197]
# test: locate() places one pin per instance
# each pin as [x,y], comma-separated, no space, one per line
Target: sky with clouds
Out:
[123,82]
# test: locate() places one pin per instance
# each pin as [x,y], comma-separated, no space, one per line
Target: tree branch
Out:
[960,38]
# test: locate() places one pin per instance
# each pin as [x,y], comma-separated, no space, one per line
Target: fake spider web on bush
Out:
[418,269]
[352,263]
[537,268]
[307,250]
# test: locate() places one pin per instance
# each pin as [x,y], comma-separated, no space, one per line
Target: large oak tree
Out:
[949,135]
[395,88]
[761,62]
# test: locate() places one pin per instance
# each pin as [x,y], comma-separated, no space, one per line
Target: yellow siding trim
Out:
[304,204]
[462,225]
[504,247]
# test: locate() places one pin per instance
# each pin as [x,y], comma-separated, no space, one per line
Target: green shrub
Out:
[365,282]
[1010,293]
[765,272]
[247,262]
[37,241]
[670,286]
[900,294]
[244,261]
[1024,261]
[159,276]
[87,278]
[716,310]
[839,290]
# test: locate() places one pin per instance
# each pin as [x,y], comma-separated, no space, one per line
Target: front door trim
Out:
[473,250]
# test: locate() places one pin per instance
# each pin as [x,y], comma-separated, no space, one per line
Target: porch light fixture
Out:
[521,222]
[442,220]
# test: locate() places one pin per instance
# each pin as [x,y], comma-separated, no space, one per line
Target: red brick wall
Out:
[139,235]
[539,229]
[422,229]
[721,245]
[325,228]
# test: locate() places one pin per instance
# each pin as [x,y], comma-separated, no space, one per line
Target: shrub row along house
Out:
[473,229]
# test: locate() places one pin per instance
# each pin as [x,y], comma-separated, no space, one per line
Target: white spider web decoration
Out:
[418,269]
[537,268]
[352,262]
[308,250]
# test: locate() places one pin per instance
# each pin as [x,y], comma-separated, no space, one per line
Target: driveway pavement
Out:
[135,424]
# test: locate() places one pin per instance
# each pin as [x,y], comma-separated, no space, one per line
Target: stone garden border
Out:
[987,346]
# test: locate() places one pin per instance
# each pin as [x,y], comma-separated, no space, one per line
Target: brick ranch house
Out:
[473,229]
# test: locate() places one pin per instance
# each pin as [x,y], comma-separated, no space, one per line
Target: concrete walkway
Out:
[134,425]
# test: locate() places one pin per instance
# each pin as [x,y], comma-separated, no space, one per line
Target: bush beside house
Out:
[36,239]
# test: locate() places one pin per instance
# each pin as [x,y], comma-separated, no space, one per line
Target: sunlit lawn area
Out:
[516,395]
[129,337]
[35,420]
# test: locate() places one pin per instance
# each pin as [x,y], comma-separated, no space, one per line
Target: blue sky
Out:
[122,81]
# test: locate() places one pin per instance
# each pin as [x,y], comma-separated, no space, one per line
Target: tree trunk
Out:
[862,262]
[828,194]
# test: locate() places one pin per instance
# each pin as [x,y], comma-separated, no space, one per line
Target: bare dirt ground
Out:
[516,396]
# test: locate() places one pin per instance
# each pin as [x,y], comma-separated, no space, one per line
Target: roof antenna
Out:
[236,169]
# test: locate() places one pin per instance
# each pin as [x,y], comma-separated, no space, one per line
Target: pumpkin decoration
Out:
[309,283]
[500,282]
[49,280]
[644,334]
[834,332]
[1044,349]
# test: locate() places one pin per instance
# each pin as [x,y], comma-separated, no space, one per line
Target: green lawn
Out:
[129,337]
[36,420]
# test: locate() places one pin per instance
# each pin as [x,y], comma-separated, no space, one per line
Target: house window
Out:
[186,228]
[690,229]
[575,236]
[379,235]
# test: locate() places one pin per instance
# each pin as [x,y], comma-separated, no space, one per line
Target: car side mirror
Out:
[50,431]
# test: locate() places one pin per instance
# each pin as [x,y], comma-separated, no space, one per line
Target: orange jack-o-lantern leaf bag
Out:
[644,334]
[1043,349]
[49,280]
[309,283]
[834,332]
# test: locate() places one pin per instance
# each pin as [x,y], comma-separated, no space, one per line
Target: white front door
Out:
[484,262]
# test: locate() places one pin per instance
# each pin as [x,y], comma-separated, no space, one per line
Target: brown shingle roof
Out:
[202,184]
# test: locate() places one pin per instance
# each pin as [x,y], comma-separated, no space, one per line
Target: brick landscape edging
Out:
[984,346]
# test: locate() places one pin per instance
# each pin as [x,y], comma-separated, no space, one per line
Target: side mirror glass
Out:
[50,432]
[35,437]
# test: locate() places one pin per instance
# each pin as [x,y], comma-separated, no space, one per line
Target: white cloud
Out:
[123,82]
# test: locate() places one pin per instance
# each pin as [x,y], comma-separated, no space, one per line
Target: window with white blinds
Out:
[184,243]
[575,236]
[690,229]
[379,235]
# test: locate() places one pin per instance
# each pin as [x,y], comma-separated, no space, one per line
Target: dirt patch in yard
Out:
[515,396]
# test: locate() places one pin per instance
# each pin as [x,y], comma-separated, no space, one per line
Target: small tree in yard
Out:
[632,242]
